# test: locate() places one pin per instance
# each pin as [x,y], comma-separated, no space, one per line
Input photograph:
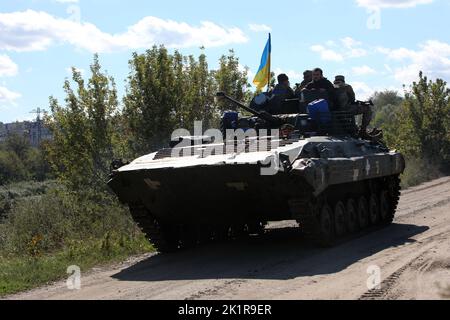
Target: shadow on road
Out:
[281,254]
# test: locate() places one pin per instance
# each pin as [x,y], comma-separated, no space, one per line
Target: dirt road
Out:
[413,256]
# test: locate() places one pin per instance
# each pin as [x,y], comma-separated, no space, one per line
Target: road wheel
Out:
[340,223]
[352,216]
[385,208]
[325,236]
[363,212]
[374,210]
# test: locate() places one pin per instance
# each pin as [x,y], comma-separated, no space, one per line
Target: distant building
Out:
[35,131]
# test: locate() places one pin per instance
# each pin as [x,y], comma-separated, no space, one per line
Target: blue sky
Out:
[377,44]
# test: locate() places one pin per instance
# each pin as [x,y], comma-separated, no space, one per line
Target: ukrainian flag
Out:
[262,77]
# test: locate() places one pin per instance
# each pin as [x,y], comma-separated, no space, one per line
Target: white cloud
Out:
[327,54]
[352,48]
[346,48]
[433,58]
[7,67]
[67,1]
[34,31]
[362,90]
[7,96]
[294,76]
[363,71]
[259,27]
[381,4]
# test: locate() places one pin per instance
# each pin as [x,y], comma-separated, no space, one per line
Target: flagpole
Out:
[270,62]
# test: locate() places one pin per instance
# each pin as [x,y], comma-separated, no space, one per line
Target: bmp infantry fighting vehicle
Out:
[310,167]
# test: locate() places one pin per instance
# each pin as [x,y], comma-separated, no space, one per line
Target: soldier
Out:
[323,85]
[282,92]
[307,78]
[283,88]
[346,99]
[344,92]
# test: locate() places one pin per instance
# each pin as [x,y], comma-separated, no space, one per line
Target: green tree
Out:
[386,104]
[82,145]
[150,102]
[423,122]
[420,129]
[385,98]
[232,80]
[11,168]
[170,91]
[18,144]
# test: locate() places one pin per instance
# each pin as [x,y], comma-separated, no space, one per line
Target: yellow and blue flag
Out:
[262,77]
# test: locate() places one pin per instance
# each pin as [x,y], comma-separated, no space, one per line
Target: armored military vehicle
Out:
[312,168]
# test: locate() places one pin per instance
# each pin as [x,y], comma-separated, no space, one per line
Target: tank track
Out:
[312,222]
[161,238]
[395,193]
[169,238]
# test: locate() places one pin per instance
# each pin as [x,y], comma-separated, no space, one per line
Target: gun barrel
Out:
[238,103]
[264,116]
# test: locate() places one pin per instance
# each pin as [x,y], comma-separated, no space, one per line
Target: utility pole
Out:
[38,113]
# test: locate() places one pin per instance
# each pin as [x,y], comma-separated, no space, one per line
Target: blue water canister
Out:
[319,111]
[231,119]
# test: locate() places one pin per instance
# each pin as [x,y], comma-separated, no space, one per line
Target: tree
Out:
[386,105]
[231,80]
[18,144]
[11,168]
[153,92]
[170,91]
[82,145]
[423,122]
[385,98]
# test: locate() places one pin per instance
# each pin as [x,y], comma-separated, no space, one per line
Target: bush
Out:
[11,167]
[45,224]
[419,171]
[12,193]
[42,235]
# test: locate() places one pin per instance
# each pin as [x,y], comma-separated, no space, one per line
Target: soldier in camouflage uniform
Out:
[346,100]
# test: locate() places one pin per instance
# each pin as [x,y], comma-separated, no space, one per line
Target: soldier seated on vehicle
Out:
[283,88]
[282,92]
[307,78]
[324,86]
[346,100]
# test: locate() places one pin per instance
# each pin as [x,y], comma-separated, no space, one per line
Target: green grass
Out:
[23,273]
[49,228]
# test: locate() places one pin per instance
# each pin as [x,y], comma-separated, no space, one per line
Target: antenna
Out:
[38,113]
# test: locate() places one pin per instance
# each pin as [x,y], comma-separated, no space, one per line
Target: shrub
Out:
[11,167]
[40,225]
[419,171]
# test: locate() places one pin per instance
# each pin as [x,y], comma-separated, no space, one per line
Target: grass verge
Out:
[19,274]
